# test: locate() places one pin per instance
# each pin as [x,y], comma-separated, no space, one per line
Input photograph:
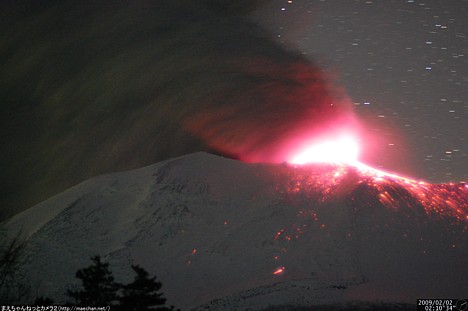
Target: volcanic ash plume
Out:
[92,87]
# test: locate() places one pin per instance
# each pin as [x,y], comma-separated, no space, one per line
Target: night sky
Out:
[89,87]
[404,64]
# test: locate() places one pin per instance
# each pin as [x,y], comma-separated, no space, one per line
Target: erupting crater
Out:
[342,150]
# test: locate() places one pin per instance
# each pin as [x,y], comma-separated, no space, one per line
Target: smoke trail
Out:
[93,87]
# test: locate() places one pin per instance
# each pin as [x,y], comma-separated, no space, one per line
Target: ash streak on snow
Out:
[93,87]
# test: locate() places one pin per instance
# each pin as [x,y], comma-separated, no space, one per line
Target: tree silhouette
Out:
[13,287]
[99,287]
[142,294]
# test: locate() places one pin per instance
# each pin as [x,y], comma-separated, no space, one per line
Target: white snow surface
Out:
[208,227]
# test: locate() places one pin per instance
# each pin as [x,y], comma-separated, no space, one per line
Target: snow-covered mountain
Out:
[225,235]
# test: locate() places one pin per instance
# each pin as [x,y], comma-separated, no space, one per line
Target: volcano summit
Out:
[225,235]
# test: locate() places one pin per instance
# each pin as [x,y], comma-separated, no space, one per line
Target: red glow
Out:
[362,187]
[342,150]
[278,234]
[325,182]
[279,271]
[342,176]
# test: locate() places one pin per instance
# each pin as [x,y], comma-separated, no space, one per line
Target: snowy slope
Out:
[221,234]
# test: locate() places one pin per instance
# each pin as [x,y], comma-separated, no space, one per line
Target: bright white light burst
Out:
[342,150]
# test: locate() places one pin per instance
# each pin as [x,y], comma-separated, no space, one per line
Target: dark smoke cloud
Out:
[89,87]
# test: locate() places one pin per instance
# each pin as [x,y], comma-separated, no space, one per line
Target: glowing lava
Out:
[342,154]
[326,170]
[279,271]
[342,150]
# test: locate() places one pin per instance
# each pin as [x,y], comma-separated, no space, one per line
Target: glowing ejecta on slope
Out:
[279,271]
[342,150]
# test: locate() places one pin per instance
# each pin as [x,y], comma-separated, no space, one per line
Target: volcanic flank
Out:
[93,87]
[225,235]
